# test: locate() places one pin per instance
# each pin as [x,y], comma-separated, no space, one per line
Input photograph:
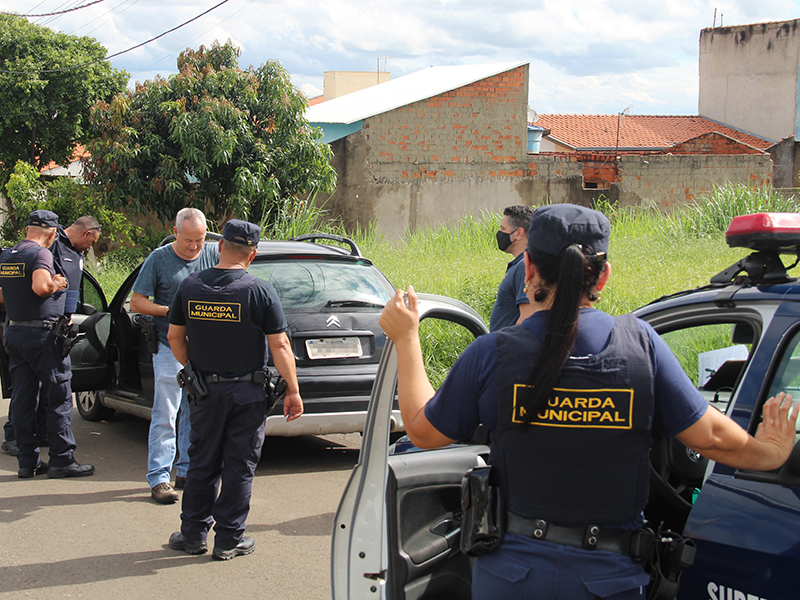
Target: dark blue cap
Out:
[241,232]
[43,218]
[558,226]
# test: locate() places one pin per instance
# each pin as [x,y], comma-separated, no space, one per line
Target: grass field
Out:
[652,254]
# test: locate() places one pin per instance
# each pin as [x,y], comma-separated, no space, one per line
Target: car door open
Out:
[397,530]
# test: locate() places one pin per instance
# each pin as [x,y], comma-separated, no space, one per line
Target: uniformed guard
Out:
[570,396]
[34,300]
[229,318]
[68,251]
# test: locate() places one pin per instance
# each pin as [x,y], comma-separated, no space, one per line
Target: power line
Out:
[110,56]
[233,14]
[111,18]
[61,12]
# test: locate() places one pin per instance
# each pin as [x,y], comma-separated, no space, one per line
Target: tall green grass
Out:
[651,254]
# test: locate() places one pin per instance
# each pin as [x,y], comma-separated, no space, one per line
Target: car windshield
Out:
[304,284]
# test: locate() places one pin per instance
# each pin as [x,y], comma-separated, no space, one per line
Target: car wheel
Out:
[90,406]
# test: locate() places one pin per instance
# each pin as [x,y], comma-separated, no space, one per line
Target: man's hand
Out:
[401,322]
[292,406]
[777,428]
[60,282]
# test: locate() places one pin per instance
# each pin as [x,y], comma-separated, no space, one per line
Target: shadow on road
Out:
[20,507]
[92,569]
[313,525]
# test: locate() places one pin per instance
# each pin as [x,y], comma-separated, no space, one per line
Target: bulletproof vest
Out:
[16,277]
[584,457]
[222,336]
[68,262]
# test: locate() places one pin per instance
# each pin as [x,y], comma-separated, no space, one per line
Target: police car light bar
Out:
[765,232]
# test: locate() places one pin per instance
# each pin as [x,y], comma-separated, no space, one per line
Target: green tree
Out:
[229,141]
[66,197]
[44,99]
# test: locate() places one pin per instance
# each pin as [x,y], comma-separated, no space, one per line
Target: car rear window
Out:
[304,285]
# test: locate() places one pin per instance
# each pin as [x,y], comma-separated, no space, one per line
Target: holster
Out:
[275,386]
[148,328]
[193,382]
[66,334]
[672,555]
[483,505]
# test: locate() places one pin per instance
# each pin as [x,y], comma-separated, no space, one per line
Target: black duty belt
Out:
[258,377]
[591,537]
[36,323]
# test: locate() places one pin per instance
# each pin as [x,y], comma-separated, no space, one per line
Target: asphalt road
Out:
[102,537]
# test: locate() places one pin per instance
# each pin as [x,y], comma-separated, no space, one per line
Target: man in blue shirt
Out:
[159,278]
[512,306]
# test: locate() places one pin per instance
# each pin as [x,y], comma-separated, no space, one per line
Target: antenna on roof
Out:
[385,59]
[714,24]
[533,116]
[620,117]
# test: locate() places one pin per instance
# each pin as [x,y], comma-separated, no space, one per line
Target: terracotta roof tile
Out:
[77,154]
[594,132]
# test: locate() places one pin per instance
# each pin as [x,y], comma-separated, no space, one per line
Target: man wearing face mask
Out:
[512,305]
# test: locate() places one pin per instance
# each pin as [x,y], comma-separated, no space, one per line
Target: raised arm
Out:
[414,389]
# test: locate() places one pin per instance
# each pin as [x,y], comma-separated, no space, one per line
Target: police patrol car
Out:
[396,532]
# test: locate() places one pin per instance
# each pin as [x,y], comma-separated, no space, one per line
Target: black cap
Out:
[557,226]
[241,232]
[43,218]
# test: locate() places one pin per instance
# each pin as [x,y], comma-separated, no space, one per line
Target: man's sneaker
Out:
[9,447]
[246,546]
[164,494]
[72,470]
[28,472]
[178,542]
[180,482]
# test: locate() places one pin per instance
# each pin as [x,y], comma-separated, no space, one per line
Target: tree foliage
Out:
[43,110]
[229,141]
[66,197]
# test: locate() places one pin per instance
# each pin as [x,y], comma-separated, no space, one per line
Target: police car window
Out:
[309,284]
[91,297]
[785,378]
[713,356]
[442,343]
[787,375]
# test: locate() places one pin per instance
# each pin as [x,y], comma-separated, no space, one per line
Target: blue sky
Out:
[586,56]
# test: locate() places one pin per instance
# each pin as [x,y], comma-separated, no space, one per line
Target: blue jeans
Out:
[168,398]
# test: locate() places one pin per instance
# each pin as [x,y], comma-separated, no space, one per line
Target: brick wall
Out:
[663,181]
[478,130]
[713,143]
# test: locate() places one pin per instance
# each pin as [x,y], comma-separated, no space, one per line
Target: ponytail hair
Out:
[574,276]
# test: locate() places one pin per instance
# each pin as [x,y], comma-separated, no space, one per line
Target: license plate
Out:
[344,347]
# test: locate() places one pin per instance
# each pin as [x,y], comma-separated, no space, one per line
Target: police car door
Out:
[397,529]
[89,356]
[747,524]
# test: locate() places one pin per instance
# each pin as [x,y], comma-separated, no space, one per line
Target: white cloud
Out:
[585,55]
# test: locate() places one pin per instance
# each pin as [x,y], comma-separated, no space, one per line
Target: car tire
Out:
[90,406]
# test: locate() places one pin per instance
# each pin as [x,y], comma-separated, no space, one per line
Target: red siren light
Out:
[765,232]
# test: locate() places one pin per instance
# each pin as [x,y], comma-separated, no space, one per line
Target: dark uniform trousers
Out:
[34,358]
[225,444]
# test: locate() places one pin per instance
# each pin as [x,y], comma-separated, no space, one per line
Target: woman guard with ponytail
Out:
[570,397]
